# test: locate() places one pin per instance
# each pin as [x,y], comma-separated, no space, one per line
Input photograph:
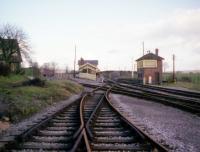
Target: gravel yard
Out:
[178,130]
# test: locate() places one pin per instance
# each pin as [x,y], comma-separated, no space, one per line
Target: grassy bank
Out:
[186,85]
[22,101]
[183,80]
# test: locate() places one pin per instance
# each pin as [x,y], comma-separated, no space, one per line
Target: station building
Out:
[88,69]
[149,68]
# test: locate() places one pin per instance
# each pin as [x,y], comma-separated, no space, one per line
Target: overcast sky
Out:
[111,31]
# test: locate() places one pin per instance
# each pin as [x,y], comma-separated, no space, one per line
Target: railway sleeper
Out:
[108,129]
[115,139]
[65,124]
[112,133]
[68,121]
[52,139]
[45,145]
[107,125]
[108,120]
[61,128]
[54,133]
[67,118]
[121,147]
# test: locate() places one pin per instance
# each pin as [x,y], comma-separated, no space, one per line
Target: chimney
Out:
[156,51]
[81,61]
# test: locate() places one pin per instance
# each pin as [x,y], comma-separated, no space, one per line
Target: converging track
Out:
[184,102]
[89,124]
[185,93]
[108,130]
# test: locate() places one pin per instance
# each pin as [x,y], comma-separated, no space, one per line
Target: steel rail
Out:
[80,132]
[148,93]
[98,88]
[187,101]
[91,117]
[83,125]
[184,98]
[186,93]
[81,117]
[177,103]
[141,135]
[186,105]
[28,132]
[86,141]
[157,146]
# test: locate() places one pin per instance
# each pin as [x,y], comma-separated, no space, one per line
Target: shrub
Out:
[35,82]
[186,79]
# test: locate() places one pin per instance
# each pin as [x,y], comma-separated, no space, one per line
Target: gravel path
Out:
[167,125]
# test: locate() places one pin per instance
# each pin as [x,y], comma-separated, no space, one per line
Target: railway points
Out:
[76,128]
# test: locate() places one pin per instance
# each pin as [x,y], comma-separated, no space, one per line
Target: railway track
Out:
[89,124]
[90,102]
[187,95]
[108,130]
[185,103]
[59,133]
[184,93]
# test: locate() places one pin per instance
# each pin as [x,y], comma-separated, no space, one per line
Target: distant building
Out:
[149,68]
[11,45]
[88,69]
[47,72]
[114,75]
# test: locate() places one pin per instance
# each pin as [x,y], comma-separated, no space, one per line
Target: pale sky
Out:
[111,31]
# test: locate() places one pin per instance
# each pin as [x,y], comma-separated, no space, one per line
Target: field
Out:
[22,101]
[184,80]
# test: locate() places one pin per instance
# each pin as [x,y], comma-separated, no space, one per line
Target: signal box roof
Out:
[150,56]
[93,62]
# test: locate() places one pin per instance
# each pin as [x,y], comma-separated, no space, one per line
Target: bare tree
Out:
[49,69]
[54,67]
[13,41]
[67,70]
[36,70]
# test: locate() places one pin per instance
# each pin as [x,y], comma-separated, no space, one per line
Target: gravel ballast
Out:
[174,128]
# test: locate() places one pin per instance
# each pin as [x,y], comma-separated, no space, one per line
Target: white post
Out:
[132,63]
[144,80]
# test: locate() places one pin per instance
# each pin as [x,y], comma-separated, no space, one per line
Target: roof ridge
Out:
[150,56]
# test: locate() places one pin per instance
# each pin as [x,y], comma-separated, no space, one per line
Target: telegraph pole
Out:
[132,63]
[75,62]
[143,47]
[173,67]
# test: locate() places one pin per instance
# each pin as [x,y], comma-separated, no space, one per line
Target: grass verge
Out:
[20,102]
[186,85]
